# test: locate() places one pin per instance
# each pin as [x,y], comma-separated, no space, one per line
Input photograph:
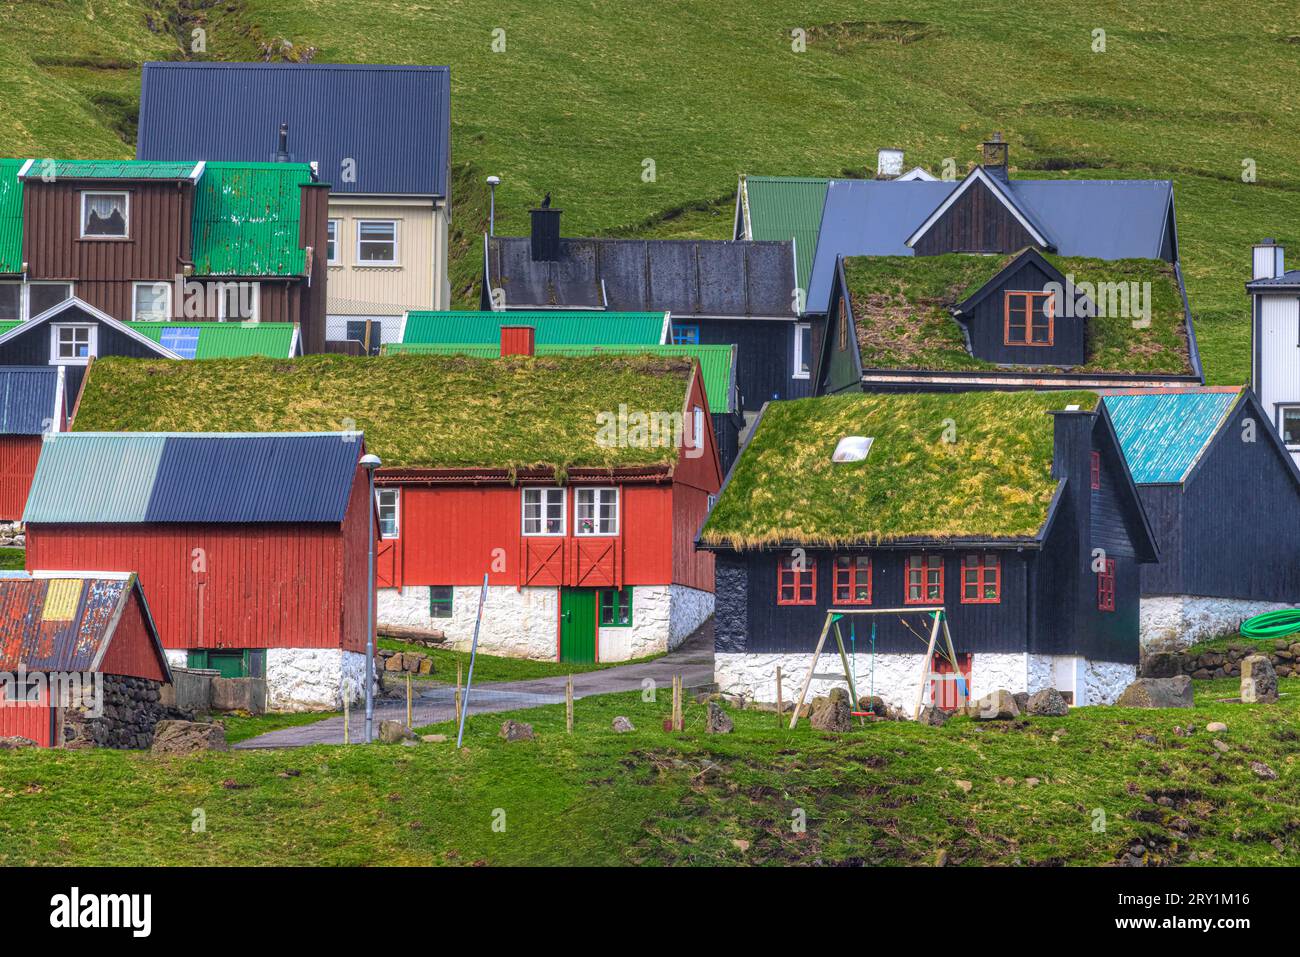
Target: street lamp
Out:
[370,462]
[493,182]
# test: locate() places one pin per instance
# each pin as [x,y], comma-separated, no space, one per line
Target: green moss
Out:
[416,411]
[942,465]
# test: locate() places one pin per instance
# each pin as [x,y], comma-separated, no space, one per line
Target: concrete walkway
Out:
[693,660]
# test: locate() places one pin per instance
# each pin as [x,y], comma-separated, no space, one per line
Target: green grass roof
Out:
[11,216]
[416,411]
[552,327]
[994,481]
[717,362]
[228,340]
[246,219]
[788,207]
[902,305]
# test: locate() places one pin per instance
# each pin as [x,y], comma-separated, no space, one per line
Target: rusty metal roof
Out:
[65,621]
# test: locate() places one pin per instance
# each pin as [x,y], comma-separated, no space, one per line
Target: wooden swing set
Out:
[928,674]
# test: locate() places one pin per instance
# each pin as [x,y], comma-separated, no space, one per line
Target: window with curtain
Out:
[104,214]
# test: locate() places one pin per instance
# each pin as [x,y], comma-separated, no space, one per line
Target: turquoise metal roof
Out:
[1164,433]
[102,477]
[553,327]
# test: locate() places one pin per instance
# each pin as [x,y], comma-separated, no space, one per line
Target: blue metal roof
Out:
[393,121]
[1164,433]
[118,477]
[1100,219]
[27,397]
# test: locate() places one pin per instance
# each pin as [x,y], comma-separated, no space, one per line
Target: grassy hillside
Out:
[585,92]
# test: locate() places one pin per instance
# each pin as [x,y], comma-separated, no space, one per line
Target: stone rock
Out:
[12,742]
[934,717]
[1263,771]
[426,666]
[393,663]
[831,713]
[997,705]
[964,785]
[622,725]
[873,704]
[1161,664]
[433,738]
[391,732]
[1220,746]
[1216,727]
[1021,699]
[1258,680]
[1173,692]
[1049,703]
[719,721]
[187,737]
[513,730]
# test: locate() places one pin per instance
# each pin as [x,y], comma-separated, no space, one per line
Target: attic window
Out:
[852,448]
[1029,319]
[105,215]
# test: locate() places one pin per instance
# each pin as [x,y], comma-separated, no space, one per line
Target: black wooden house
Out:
[1013,511]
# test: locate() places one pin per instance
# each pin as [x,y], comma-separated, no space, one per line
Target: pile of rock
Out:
[132,708]
[1283,654]
[12,535]
[403,662]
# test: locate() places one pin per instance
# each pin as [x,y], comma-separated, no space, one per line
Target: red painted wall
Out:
[131,651]
[18,455]
[27,720]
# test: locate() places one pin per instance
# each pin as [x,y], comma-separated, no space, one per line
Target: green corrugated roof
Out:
[11,216]
[553,328]
[110,477]
[246,219]
[110,169]
[788,207]
[1164,433]
[228,340]
[7,325]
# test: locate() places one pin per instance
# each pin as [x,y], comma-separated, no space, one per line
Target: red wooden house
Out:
[33,401]
[70,642]
[251,548]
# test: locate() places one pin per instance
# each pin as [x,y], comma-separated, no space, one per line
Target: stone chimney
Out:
[889,163]
[517,340]
[995,156]
[1267,260]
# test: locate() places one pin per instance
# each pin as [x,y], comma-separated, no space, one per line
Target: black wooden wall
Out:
[978,222]
[32,347]
[764,357]
[986,326]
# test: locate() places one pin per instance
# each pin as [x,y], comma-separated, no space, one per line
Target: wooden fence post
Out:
[568,705]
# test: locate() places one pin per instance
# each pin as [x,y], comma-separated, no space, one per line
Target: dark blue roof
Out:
[1100,219]
[27,397]
[394,121]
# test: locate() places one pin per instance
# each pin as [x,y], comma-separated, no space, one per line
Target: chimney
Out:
[517,340]
[995,156]
[889,163]
[1268,260]
[1072,443]
[546,234]
[282,150]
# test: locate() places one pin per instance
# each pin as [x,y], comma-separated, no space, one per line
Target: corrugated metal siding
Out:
[27,399]
[553,328]
[246,219]
[94,478]
[18,457]
[394,121]
[788,207]
[11,216]
[109,169]
[56,624]
[1164,433]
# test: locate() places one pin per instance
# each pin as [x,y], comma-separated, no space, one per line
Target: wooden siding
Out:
[388,290]
[978,222]
[1164,508]
[310,308]
[34,721]
[18,456]
[131,651]
[986,326]
[764,357]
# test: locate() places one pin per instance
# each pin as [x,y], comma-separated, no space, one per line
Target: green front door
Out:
[578,625]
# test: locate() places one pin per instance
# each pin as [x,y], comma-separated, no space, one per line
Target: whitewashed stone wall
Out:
[313,679]
[1106,680]
[691,607]
[1175,622]
[177,659]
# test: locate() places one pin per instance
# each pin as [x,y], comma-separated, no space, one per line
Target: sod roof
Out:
[903,309]
[971,465]
[416,411]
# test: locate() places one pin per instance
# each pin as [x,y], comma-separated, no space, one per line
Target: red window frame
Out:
[1095,465]
[988,573]
[1106,587]
[802,585]
[850,576]
[1027,308]
[927,564]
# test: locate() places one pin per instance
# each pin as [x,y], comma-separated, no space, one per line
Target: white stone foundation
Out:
[524,623]
[1175,622]
[896,676]
[313,679]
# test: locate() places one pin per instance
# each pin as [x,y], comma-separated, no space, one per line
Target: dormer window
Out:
[1030,319]
[72,344]
[105,215]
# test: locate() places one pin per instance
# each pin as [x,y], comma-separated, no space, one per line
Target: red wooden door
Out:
[388,563]
[29,719]
[944,692]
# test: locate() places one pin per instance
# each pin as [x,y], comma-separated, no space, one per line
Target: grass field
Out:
[1076,790]
[489,669]
[583,94]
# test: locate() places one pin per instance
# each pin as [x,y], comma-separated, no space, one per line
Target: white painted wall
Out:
[313,679]
[1175,622]
[1277,334]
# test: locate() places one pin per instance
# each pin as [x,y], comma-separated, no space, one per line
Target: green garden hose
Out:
[1272,624]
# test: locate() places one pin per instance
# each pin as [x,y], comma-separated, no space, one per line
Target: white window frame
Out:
[92,343]
[126,196]
[27,295]
[596,491]
[547,491]
[257,307]
[135,301]
[396,493]
[1282,409]
[799,328]
[697,423]
[397,249]
[338,242]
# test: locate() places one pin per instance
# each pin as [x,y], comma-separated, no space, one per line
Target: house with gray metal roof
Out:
[718,292]
[378,134]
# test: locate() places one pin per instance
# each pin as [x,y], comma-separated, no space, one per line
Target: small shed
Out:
[252,547]
[82,661]
[33,401]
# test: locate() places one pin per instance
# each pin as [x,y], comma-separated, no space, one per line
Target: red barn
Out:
[251,547]
[70,643]
[32,402]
